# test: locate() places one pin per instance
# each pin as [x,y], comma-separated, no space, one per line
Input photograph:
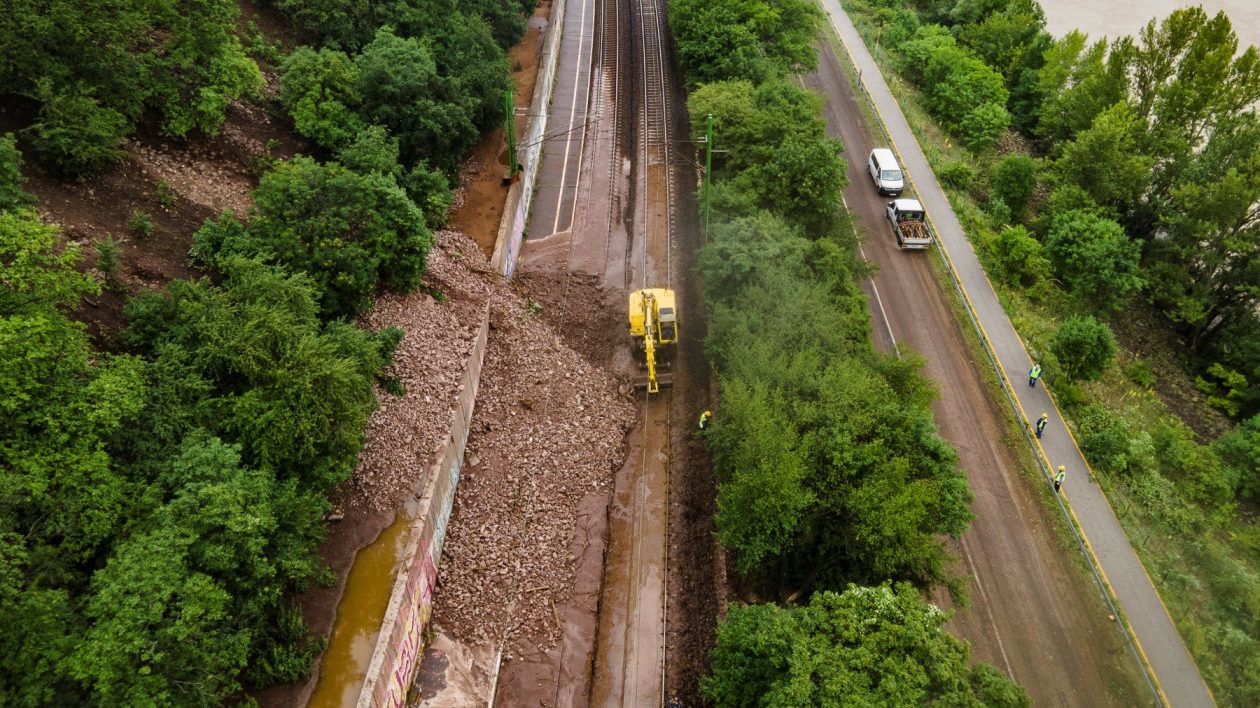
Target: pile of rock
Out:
[549,428]
[440,322]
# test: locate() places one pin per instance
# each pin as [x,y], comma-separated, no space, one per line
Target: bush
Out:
[956,174]
[75,134]
[1239,451]
[1013,182]
[1084,347]
[1095,258]
[107,257]
[320,90]
[868,646]
[165,193]
[1019,256]
[753,40]
[983,125]
[350,232]
[1104,438]
[11,179]
[140,224]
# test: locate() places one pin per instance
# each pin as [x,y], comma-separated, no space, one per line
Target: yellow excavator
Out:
[654,325]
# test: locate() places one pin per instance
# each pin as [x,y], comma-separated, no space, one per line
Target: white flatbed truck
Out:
[909,223]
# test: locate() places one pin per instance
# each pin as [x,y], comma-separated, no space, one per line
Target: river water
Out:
[1114,18]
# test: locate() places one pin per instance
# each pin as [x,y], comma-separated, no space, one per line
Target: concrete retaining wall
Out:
[507,246]
[401,640]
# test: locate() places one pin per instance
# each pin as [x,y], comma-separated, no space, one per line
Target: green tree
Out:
[1206,272]
[350,232]
[744,39]
[1077,82]
[402,90]
[803,181]
[75,133]
[866,646]
[753,120]
[1014,180]
[1084,347]
[1020,257]
[1104,159]
[320,91]
[293,393]
[1095,258]
[373,150]
[1189,78]
[11,179]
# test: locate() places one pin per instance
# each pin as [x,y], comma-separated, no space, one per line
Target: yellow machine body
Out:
[654,324]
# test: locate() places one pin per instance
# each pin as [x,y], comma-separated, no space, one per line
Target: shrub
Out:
[350,232]
[983,125]
[11,179]
[1084,347]
[1013,182]
[1104,438]
[107,256]
[320,91]
[165,193]
[1020,257]
[75,134]
[140,224]
[824,653]
[1095,258]
[956,174]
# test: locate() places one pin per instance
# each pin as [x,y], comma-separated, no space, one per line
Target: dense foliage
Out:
[156,507]
[94,68]
[744,39]
[161,505]
[351,232]
[828,464]
[429,72]
[877,646]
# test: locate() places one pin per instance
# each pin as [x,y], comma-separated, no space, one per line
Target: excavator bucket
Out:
[664,378]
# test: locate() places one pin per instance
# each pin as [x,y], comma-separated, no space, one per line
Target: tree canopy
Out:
[864,646]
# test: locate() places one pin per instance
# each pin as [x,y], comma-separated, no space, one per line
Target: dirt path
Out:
[1033,613]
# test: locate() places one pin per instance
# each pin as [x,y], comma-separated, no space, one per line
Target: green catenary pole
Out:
[509,126]
[708,168]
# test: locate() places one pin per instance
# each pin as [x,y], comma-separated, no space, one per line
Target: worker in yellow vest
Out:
[1058,478]
[705,418]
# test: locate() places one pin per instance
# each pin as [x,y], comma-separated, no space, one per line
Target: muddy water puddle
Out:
[359,616]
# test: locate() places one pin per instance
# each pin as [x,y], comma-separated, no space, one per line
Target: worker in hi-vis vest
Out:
[1041,424]
[1058,477]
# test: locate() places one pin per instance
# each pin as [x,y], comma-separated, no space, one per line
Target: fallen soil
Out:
[547,436]
[176,183]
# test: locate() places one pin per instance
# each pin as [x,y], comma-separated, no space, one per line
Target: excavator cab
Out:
[654,325]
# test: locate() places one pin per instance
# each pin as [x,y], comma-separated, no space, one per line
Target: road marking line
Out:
[975,573]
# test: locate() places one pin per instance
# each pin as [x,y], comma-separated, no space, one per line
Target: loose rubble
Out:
[439,321]
[548,429]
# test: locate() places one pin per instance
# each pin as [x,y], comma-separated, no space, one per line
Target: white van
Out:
[885,172]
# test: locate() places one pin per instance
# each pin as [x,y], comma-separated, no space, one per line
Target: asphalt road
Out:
[1177,675]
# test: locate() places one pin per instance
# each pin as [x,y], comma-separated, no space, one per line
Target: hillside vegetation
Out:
[832,480]
[1114,208]
[161,502]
